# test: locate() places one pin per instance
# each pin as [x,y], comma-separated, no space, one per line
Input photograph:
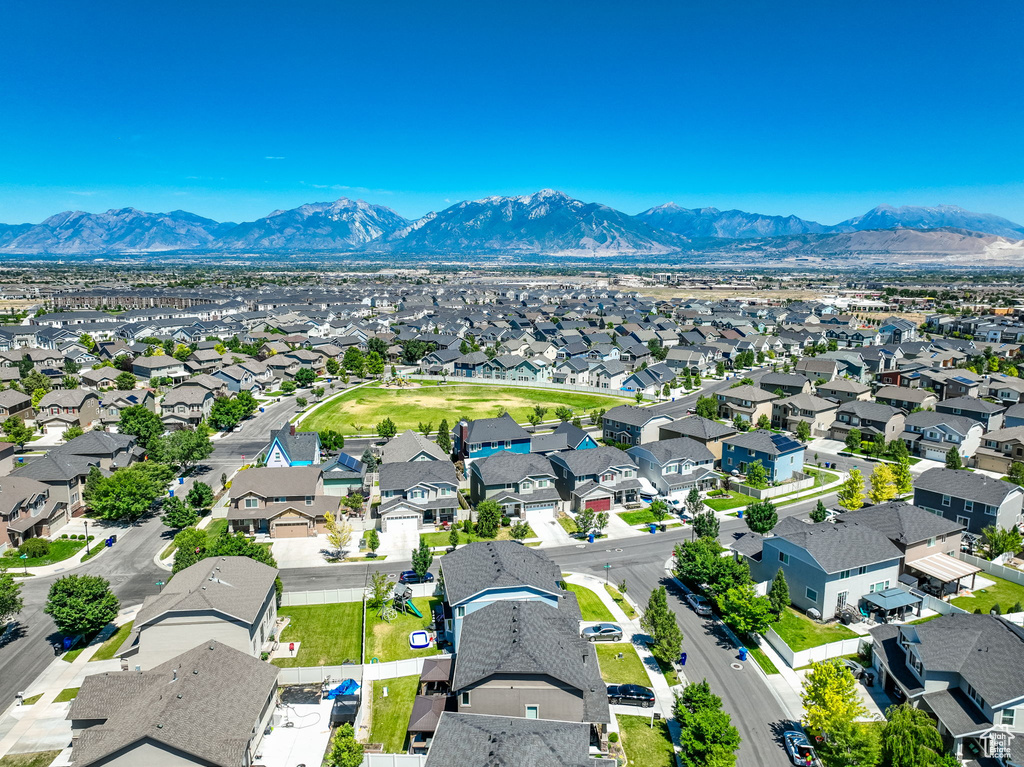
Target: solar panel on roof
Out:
[350,463]
[784,443]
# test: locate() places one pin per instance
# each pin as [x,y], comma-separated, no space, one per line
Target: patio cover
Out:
[943,567]
[892,599]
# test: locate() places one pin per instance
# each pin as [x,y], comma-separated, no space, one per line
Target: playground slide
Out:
[413,609]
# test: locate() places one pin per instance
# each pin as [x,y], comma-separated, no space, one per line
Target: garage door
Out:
[598,504]
[402,525]
[291,530]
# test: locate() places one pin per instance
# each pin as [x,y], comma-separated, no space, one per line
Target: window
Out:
[812,594]
[280,499]
[946,500]
[251,503]
[784,557]
[844,574]
[464,699]
[973,695]
[880,586]
[1007,716]
[309,500]
[931,542]
[460,612]
[963,521]
[861,570]
[533,712]
[968,505]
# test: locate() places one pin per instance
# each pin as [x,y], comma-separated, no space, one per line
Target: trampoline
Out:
[419,640]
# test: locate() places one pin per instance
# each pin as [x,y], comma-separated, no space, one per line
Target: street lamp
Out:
[86,537]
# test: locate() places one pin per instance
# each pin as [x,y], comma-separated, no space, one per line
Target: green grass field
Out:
[442,538]
[67,694]
[329,634]
[645,745]
[591,606]
[1004,593]
[733,501]
[391,714]
[359,411]
[60,549]
[801,633]
[390,641]
[621,601]
[628,669]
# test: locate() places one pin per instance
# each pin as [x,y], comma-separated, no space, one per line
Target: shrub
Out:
[92,537]
[35,547]
[996,609]
[613,737]
[1017,608]
[505,521]
[64,535]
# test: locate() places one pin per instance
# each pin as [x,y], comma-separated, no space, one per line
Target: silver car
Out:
[602,632]
[700,605]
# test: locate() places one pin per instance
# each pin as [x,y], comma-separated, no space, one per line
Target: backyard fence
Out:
[803,482]
[392,669]
[320,674]
[798,659]
[929,602]
[1006,573]
[333,596]
[393,760]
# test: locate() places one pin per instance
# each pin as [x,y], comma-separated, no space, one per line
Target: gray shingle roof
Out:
[960,483]
[970,405]
[400,476]
[871,411]
[267,482]
[505,466]
[593,461]
[959,423]
[701,428]
[842,547]
[56,467]
[632,415]
[300,446]
[204,702]
[474,740]
[521,638]
[902,522]
[408,445]
[682,448]
[96,443]
[497,564]
[764,441]
[495,429]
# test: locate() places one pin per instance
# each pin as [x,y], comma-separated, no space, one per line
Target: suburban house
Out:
[781,455]
[237,379]
[973,500]
[674,466]
[817,368]
[988,414]
[114,402]
[843,390]
[412,446]
[110,450]
[931,435]
[1000,448]
[289,448]
[26,511]
[746,402]
[186,406]
[343,475]
[523,484]
[14,402]
[416,494]
[906,399]
[230,599]
[487,436]
[1014,416]
[566,436]
[650,380]
[101,378]
[208,706]
[786,383]
[480,574]
[965,670]
[828,566]
[282,503]
[704,430]
[159,366]
[632,425]
[609,375]
[526,659]
[870,418]
[598,479]
[816,412]
[65,474]
[63,408]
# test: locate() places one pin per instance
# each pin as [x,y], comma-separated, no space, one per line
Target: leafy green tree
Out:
[698,561]
[706,524]
[422,558]
[200,496]
[345,750]
[585,520]
[883,484]
[694,504]
[1017,472]
[372,541]
[707,737]
[11,602]
[897,450]
[757,474]
[331,439]
[953,460]
[540,411]
[803,431]
[910,738]
[16,431]
[37,397]
[453,534]
[853,745]
[225,413]
[81,604]
[126,494]
[178,514]
[386,429]
[288,387]
[778,593]
[761,517]
[377,346]
[744,610]
[125,381]
[36,380]
[444,437]
[353,359]
[658,509]
[563,413]
[830,698]
[369,460]
[902,478]
[142,423]
[763,422]
[851,492]
[853,438]
[488,519]
[333,366]
[375,364]
[706,407]
[71,432]
[660,622]
[188,447]
[520,531]
[996,541]
[819,513]
[305,377]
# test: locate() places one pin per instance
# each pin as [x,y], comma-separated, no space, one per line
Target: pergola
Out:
[945,569]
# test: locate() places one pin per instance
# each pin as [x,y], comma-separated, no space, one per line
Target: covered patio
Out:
[943,571]
[892,604]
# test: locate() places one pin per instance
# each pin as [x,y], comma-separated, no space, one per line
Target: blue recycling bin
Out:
[109,542]
[654,528]
[181,480]
[590,538]
[171,492]
[262,410]
[682,659]
[739,513]
[743,653]
[68,641]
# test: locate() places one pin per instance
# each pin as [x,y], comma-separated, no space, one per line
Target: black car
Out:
[410,576]
[630,694]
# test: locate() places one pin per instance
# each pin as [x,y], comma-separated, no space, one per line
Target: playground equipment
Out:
[401,602]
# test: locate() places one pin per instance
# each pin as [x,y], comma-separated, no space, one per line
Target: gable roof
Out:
[902,522]
[633,415]
[682,448]
[505,466]
[497,564]
[408,445]
[297,446]
[266,482]
[495,429]
[764,441]
[523,638]
[960,483]
[841,547]
[476,740]
[593,461]
[400,476]
[701,428]
[960,424]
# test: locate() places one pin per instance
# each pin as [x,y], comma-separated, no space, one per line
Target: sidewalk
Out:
[98,528]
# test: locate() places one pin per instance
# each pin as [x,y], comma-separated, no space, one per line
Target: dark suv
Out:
[630,694]
[410,576]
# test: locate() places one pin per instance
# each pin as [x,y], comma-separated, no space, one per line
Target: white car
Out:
[700,605]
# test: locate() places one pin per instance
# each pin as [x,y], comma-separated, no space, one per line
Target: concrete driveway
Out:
[301,552]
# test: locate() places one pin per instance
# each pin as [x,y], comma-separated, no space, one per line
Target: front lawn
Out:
[60,549]
[591,606]
[568,523]
[642,517]
[646,746]
[1004,593]
[390,715]
[67,694]
[112,645]
[329,634]
[390,641]
[213,531]
[801,633]
[731,500]
[628,669]
[35,759]
[762,659]
[359,411]
[621,601]
[441,538]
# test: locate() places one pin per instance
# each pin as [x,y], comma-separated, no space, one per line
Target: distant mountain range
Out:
[547,222]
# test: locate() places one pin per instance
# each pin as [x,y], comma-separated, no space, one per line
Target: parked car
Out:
[602,632]
[411,576]
[856,669]
[700,604]
[800,750]
[630,694]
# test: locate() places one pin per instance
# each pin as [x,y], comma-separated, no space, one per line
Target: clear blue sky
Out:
[233,109]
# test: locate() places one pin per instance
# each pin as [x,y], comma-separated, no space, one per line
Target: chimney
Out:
[291,429]
[464,438]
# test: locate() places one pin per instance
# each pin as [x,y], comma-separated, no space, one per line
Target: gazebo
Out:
[892,603]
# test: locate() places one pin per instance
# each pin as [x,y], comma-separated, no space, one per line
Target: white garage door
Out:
[539,514]
[402,525]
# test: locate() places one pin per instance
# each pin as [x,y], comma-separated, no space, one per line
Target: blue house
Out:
[780,454]
[481,574]
[487,436]
[289,448]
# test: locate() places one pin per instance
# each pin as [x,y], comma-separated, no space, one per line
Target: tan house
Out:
[186,406]
[999,449]
[282,503]
[114,402]
[844,390]
[26,511]
[816,412]
[59,410]
[709,433]
[747,402]
[230,599]
[14,402]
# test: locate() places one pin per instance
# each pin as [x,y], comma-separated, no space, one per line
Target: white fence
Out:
[935,604]
[459,380]
[320,674]
[392,669]
[1006,573]
[393,760]
[333,596]
[803,482]
[821,652]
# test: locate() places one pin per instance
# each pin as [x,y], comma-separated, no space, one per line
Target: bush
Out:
[996,609]
[505,521]
[35,547]
[92,537]
[64,535]
[613,737]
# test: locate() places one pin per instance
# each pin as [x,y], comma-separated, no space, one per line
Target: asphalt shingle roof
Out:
[408,445]
[960,483]
[474,740]
[682,448]
[700,428]
[400,476]
[495,429]
[764,441]
[838,547]
[902,522]
[497,564]
[505,466]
